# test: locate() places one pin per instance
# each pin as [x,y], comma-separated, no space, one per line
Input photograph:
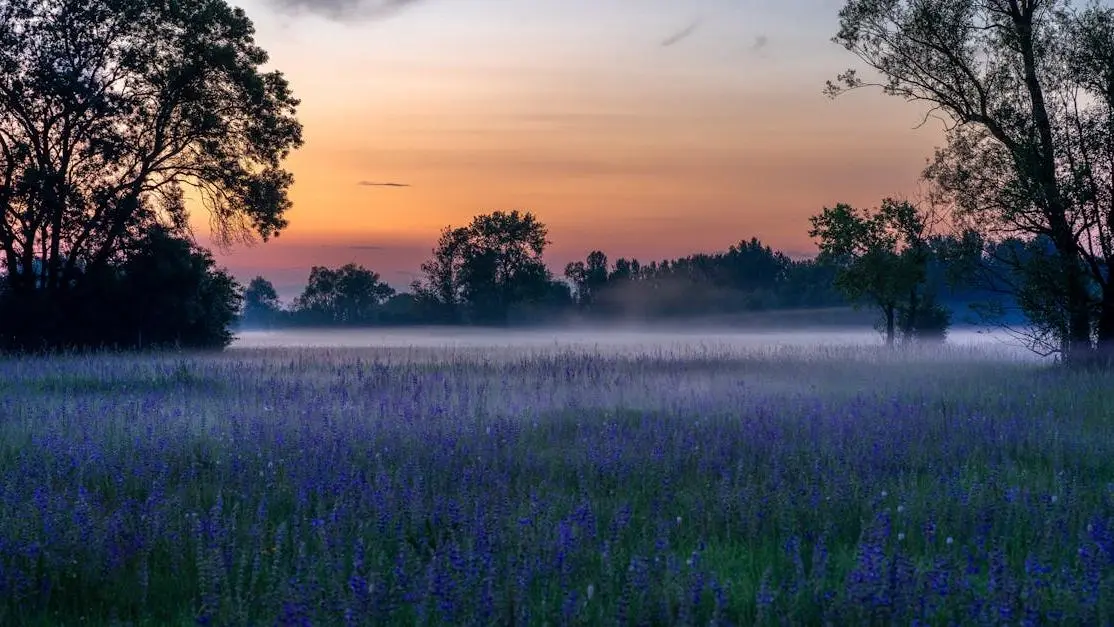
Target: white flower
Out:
[678,520]
[949,540]
[900,508]
[591,591]
[1053,498]
[885,494]
[900,537]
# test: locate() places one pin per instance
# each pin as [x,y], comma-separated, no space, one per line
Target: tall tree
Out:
[882,258]
[485,269]
[440,294]
[348,295]
[261,303]
[589,277]
[1024,86]
[113,115]
[503,264]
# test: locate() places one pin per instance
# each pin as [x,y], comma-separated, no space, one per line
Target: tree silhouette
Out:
[349,295]
[1027,89]
[881,259]
[176,295]
[588,277]
[261,303]
[483,271]
[162,291]
[112,114]
[440,295]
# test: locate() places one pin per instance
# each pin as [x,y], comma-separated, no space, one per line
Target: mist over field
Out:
[628,340]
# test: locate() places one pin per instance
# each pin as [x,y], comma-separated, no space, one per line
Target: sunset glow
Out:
[576,111]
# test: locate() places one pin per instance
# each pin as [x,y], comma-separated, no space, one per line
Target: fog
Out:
[625,340]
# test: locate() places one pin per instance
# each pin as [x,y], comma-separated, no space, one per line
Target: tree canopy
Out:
[348,295]
[1026,88]
[882,259]
[483,271]
[261,303]
[165,292]
[116,116]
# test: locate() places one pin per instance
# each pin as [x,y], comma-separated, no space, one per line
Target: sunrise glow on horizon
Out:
[647,129]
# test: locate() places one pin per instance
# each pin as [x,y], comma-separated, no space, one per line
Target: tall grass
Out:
[841,486]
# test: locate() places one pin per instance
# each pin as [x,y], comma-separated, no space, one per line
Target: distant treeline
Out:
[492,272]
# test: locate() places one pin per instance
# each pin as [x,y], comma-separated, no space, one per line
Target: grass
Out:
[407,486]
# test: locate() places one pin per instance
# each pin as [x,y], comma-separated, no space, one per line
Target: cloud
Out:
[760,43]
[347,9]
[681,34]
[382,184]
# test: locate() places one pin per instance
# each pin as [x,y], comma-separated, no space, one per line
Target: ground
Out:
[546,484]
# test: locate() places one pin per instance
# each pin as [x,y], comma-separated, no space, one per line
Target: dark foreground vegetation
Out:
[441,488]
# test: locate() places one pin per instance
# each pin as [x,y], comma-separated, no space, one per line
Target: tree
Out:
[881,259]
[261,303]
[1027,90]
[481,271]
[349,295]
[401,309]
[753,266]
[439,296]
[588,277]
[165,291]
[114,114]
[176,296]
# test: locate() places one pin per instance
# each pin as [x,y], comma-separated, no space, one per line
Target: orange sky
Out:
[575,111]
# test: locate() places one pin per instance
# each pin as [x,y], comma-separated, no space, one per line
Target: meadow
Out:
[688,482]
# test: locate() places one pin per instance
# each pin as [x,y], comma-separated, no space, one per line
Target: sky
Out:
[644,128]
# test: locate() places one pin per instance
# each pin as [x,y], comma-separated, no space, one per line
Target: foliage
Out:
[166,292]
[588,277]
[349,295]
[440,296]
[176,295]
[747,276]
[261,304]
[1027,90]
[882,259]
[114,113]
[480,272]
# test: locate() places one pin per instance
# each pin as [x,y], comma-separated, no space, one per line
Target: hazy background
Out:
[648,128]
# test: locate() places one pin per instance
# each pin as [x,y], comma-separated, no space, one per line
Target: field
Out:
[688,483]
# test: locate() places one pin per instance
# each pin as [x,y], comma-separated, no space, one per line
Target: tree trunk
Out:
[911,317]
[1042,164]
[1078,306]
[1104,350]
[890,325]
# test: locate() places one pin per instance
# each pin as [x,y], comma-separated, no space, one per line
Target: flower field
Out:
[680,486]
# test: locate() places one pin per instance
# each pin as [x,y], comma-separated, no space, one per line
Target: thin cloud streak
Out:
[347,9]
[383,184]
[680,35]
